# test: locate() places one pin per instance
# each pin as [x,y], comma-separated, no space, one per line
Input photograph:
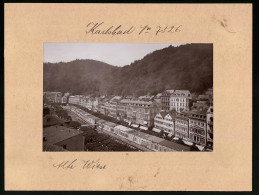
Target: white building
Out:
[165,121]
[74,99]
[179,100]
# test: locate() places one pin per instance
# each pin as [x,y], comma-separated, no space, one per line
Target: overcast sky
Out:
[117,54]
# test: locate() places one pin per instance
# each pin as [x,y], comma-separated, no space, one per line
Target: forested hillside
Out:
[185,67]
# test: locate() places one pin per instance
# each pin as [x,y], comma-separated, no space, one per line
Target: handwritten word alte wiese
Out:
[98,29]
[81,164]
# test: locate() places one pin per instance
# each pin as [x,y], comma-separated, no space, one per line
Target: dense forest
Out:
[184,67]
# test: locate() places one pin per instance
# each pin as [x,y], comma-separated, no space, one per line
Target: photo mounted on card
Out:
[160,100]
[128,97]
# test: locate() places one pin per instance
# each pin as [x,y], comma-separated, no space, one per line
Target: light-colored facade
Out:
[179,100]
[121,112]
[74,99]
[141,112]
[110,109]
[165,121]
[182,125]
[198,127]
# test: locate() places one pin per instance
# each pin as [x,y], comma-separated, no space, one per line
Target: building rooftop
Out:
[110,124]
[123,128]
[200,115]
[172,113]
[141,134]
[181,117]
[175,146]
[128,101]
[155,139]
[181,93]
[55,134]
[50,147]
[163,113]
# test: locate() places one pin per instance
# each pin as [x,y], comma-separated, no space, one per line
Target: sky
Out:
[116,54]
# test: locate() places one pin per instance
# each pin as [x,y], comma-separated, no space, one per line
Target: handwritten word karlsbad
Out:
[99,29]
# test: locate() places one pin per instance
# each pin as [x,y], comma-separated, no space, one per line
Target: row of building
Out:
[176,112]
[141,138]
[195,126]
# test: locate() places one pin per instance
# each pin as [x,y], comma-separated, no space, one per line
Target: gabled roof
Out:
[55,134]
[174,146]
[172,113]
[181,93]
[162,114]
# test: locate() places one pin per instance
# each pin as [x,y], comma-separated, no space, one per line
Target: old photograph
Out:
[155,97]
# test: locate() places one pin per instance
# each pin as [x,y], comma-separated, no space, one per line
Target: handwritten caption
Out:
[79,164]
[99,28]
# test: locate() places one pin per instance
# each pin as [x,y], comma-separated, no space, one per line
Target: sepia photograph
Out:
[155,97]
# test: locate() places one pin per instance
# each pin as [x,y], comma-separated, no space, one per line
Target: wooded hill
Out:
[185,67]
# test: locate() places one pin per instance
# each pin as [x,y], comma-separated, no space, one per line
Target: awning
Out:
[143,128]
[175,138]
[200,147]
[156,130]
[187,143]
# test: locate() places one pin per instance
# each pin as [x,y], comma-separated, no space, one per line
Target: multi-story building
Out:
[179,100]
[74,99]
[111,109]
[198,127]
[54,97]
[141,112]
[121,111]
[103,109]
[95,104]
[65,97]
[209,118]
[83,101]
[165,121]
[182,125]
[157,98]
[165,99]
